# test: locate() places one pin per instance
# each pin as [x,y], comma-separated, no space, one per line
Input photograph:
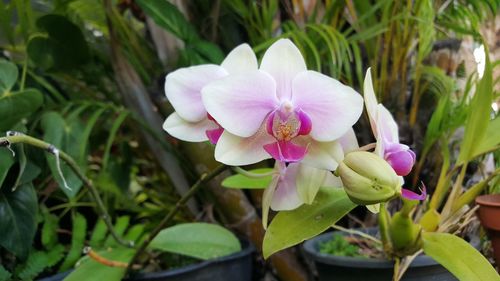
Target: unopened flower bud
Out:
[400,157]
[367,178]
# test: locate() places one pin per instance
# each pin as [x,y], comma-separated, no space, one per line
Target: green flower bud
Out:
[367,178]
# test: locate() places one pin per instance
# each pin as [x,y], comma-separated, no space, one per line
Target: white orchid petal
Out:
[283,61]
[183,89]
[285,195]
[241,102]
[188,131]
[386,125]
[237,151]
[322,155]
[370,100]
[308,181]
[240,60]
[332,106]
[349,142]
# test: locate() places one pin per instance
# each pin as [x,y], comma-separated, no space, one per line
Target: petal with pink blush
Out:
[237,151]
[187,131]
[305,123]
[283,61]
[286,151]
[214,135]
[183,89]
[322,155]
[401,160]
[241,59]
[332,106]
[241,102]
[386,125]
[285,195]
[408,194]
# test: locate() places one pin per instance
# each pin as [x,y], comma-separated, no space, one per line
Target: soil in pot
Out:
[362,267]
[489,215]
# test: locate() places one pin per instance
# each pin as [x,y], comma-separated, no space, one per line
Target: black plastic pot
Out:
[235,267]
[338,268]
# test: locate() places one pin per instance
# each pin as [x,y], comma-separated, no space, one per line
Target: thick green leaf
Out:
[63,47]
[479,114]
[242,181]
[199,240]
[8,76]
[89,269]
[290,228]
[18,211]
[6,161]
[491,138]
[169,17]
[18,105]
[4,274]
[458,256]
[65,136]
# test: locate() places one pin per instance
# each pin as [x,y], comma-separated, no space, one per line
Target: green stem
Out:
[395,276]
[21,138]
[166,220]
[23,75]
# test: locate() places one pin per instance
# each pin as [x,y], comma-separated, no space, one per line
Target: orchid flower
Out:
[282,111]
[293,185]
[190,121]
[385,129]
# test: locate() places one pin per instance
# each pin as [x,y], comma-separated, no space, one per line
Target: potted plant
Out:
[489,211]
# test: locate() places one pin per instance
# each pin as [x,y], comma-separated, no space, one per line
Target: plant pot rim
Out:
[311,249]
[247,248]
[492,200]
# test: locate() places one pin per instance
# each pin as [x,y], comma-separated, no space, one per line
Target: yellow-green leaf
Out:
[290,228]
[458,256]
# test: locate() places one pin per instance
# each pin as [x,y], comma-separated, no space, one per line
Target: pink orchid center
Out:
[284,124]
[213,135]
[400,157]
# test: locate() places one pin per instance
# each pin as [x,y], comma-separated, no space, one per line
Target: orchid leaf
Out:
[8,76]
[490,140]
[479,113]
[198,240]
[290,228]
[18,105]
[458,256]
[242,181]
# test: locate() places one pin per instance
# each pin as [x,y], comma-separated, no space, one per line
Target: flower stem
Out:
[170,215]
[15,137]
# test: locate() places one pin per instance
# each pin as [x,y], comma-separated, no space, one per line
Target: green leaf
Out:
[4,274]
[8,76]
[65,136]
[18,105]
[290,228]
[49,229]
[89,268]
[490,140]
[479,113]
[77,239]
[63,47]
[98,234]
[38,261]
[7,160]
[210,52]
[199,240]
[169,17]
[242,181]
[458,256]
[18,211]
